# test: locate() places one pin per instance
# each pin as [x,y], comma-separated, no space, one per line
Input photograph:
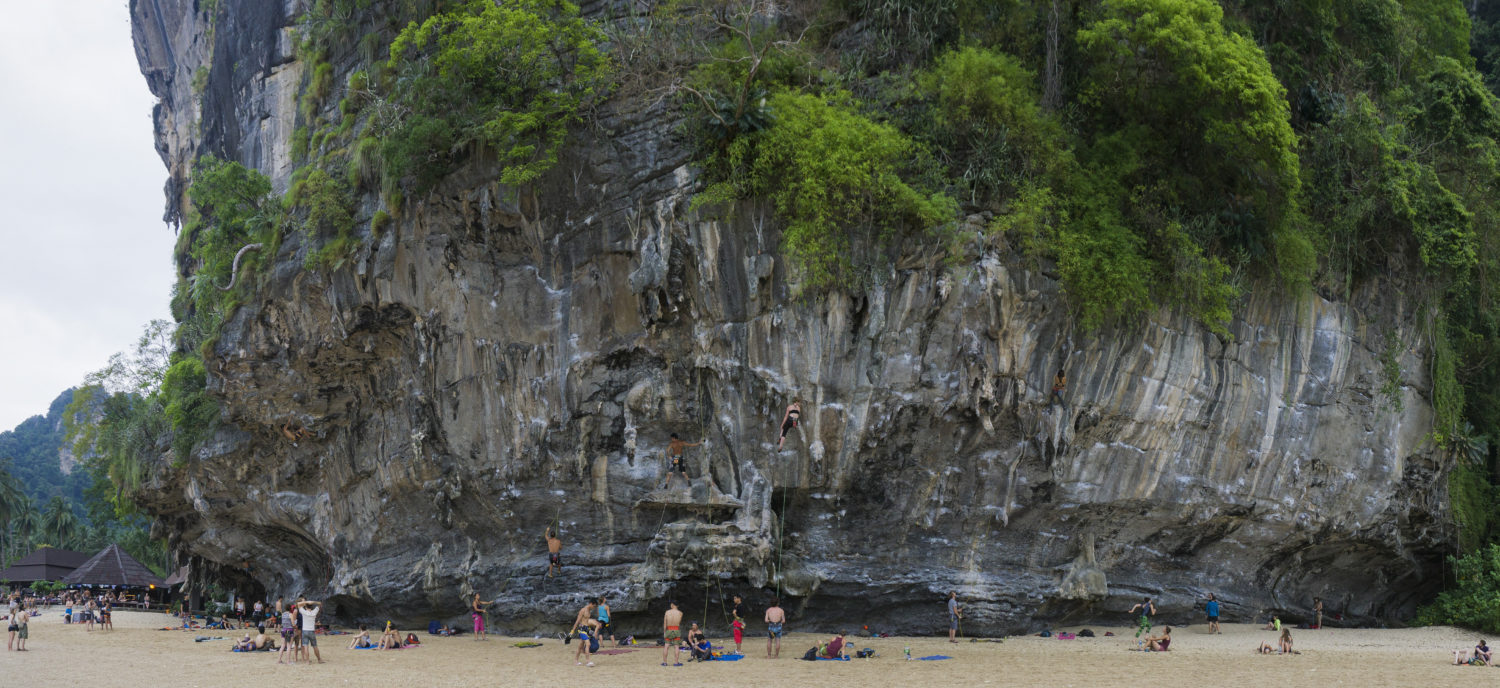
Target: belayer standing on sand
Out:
[790,419]
[554,550]
[603,616]
[1146,609]
[1318,609]
[739,622]
[671,632]
[954,614]
[1212,611]
[674,455]
[476,609]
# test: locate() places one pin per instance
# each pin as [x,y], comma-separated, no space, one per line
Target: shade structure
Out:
[113,567]
[45,564]
[179,576]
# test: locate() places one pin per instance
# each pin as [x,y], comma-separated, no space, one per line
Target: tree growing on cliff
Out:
[506,80]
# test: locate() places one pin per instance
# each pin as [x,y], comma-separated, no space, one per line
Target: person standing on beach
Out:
[584,616]
[738,623]
[603,616]
[288,635]
[671,632]
[586,635]
[309,610]
[554,553]
[1146,610]
[1212,610]
[775,625]
[23,628]
[476,609]
[1318,609]
[13,628]
[954,614]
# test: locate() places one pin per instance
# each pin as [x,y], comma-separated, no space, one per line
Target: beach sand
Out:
[136,655]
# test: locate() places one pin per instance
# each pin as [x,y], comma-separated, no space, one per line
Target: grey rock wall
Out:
[498,361]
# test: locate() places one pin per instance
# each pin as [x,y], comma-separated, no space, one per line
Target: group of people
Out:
[18,616]
[298,623]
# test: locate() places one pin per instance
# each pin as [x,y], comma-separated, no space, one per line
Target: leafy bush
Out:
[835,179]
[986,122]
[1474,600]
[230,208]
[1201,108]
[192,413]
[507,80]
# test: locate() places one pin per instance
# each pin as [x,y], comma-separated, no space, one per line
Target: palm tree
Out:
[27,523]
[59,522]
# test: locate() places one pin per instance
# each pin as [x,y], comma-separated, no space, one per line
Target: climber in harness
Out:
[674,454]
[294,434]
[554,549]
[1059,384]
[789,420]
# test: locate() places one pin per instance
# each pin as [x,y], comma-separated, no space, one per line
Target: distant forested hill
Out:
[32,452]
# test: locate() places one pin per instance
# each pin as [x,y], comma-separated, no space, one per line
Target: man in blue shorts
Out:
[1212,609]
[775,622]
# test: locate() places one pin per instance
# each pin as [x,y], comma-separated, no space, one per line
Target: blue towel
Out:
[729,658]
[841,659]
[933,658]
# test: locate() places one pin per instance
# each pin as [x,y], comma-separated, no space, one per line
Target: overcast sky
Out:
[86,259]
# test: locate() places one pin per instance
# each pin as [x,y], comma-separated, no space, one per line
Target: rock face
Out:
[495,363]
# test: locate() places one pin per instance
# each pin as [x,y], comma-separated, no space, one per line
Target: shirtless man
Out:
[674,455]
[587,631]
[554,548]
[1318,609]
[775,623]
[789,420]
[671,631]
[585,615]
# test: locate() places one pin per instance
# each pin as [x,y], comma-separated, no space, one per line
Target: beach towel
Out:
[934,658]
[617,651]
[834,659]
[525,644]
[1064,636]
[732,657]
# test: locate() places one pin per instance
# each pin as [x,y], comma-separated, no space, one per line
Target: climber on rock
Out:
[1059,385]
[674,455]
[293,435]
[554,550]
[789,420]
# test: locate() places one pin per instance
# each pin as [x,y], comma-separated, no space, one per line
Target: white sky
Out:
[85,260]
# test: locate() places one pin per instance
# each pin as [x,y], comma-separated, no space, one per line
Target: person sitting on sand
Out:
[1285,644]
[1160,643]
[390,639]
[263,641]
[698,644]
[835,647]
[1266,649]
[1482,653]
[361,640]
[244,644]
[1273,625]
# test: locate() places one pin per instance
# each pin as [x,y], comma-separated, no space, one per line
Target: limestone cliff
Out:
[495,362]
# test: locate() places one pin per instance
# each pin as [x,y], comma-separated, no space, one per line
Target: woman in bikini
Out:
[790,419]
[476,609]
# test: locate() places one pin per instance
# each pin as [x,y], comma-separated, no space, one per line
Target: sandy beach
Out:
[135,654]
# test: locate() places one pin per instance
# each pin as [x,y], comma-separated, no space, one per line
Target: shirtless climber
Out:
[293,435]
[1059,384]
[554,549]
[674,454]
[789,420]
